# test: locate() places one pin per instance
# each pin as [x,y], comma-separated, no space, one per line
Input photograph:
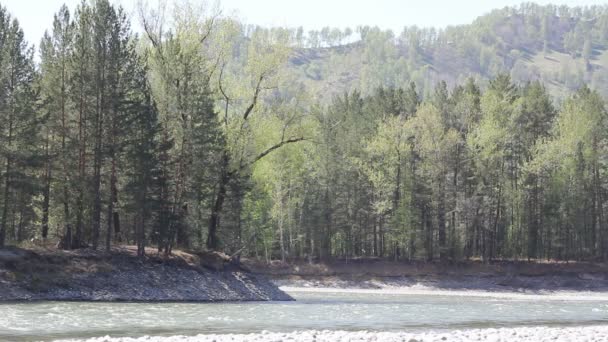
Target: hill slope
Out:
[562,46]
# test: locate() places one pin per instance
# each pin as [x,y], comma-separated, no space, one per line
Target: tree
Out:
[56,52]
[81,81]
[19,131]
[265,55]
[181,64]
[534,124]
[144,150]
[436,144]
[571,162]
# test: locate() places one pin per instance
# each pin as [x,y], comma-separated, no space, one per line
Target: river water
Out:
[318,311]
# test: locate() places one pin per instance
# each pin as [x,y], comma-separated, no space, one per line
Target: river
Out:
[311,311]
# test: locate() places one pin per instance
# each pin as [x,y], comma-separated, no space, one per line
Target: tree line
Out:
[115,138]
[197,134]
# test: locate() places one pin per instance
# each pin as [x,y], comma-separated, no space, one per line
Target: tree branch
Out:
[155,21]
[210,25]
[272,148]
[256,94]
[226,98]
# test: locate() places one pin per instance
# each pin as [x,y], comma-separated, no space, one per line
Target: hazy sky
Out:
[37,15]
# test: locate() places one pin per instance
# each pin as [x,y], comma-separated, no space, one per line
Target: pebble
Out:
[598,333]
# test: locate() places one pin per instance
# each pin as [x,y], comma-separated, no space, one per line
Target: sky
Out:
[36,16]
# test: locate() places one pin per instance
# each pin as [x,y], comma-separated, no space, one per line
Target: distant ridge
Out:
[562,46]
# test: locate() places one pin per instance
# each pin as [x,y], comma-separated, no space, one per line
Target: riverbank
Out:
[522,294]
[521,334]
[465,277]
[86,275]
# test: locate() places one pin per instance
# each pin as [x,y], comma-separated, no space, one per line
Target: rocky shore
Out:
[86,275]
[520,334]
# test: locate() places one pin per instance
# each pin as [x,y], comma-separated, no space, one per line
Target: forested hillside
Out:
[481,141]
[563,47]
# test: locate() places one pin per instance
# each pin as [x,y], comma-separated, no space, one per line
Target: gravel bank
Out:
[521,334]
[498,276]
[546,283]
[120,276]
[418,290]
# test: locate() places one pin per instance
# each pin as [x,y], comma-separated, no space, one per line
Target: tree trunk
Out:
[328,222]
[428,226]
[64,152]
[98,151]
[441,222]
[533,222]
[97,191]
[46,192]
[140,235]
[281,237]
[112,201]
[454,205]
[82,164]
[7,182]
[213,242]
[492,237]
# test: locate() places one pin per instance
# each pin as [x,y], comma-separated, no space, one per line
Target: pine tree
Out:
[56,53]
[81,83]
[19,131]
[142,151]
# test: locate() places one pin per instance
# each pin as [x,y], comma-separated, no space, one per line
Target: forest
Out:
[183,128]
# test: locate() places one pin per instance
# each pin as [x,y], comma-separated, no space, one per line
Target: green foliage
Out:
[207,133]
[528,42]
[19,130]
